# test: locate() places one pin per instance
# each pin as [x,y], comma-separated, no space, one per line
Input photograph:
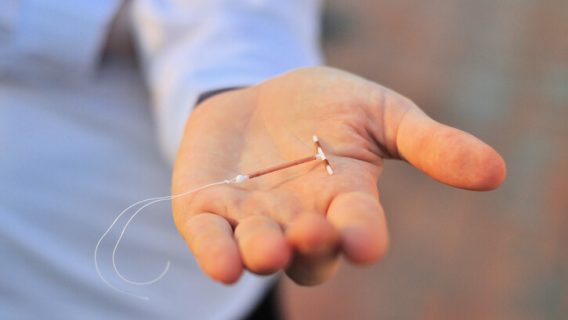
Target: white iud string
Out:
[319,155]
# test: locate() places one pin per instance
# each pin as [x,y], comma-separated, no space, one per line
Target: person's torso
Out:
[74,153]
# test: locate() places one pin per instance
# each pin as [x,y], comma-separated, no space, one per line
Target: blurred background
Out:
[498,69]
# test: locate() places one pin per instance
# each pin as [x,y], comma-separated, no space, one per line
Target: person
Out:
[78,144]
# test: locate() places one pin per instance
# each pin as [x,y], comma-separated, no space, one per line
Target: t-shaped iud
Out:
[320,155]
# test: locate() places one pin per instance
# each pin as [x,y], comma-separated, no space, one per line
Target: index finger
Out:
[360,220]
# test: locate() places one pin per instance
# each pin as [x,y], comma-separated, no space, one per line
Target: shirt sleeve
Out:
[190,47]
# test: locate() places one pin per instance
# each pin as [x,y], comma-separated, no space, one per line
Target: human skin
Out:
[301,219]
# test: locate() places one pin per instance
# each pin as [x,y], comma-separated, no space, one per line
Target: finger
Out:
[210,238]
[262,244]
[360,220]
[312,234]
[447,154]
[221,200]
[315,243]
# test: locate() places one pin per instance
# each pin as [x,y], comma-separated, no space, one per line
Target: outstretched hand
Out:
[300,219]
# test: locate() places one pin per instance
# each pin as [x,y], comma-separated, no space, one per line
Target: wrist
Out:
[211,93]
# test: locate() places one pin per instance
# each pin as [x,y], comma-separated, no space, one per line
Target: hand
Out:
[301,219]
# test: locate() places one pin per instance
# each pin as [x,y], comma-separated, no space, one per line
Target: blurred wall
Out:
[498,69]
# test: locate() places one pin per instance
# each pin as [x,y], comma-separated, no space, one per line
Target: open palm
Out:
[300,219]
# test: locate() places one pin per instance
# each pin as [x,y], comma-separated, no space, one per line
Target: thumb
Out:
[447,154]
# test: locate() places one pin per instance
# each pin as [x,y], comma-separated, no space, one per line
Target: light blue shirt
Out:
[80,140]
